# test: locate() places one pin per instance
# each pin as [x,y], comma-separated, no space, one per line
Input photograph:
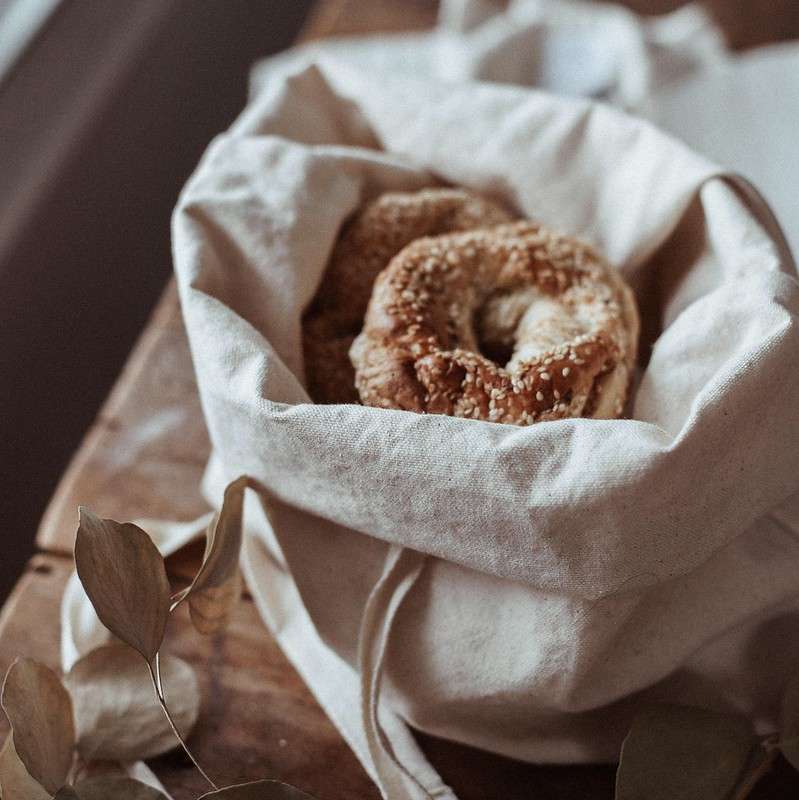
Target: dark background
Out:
[81,277]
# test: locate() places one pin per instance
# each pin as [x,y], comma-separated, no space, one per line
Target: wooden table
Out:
[144,457]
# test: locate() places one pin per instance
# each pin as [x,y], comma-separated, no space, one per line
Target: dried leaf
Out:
[211,608]
[789,723]
[260,790]
[66,793]
[690,753]
[216,588]
[15,780]
[116,713]
[106,788]
[40,712]
[124,575]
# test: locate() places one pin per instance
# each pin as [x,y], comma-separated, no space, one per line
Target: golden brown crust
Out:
[366,245]
[565,319]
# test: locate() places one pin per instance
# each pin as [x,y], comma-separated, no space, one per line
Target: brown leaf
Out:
[260,790]
[125,578]
[66,793]
[40,712]
[116,712]
[15,780]
[216,588]
[211,608]
[113,788]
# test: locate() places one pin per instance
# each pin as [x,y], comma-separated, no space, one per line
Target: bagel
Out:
[514,324]
[370,239]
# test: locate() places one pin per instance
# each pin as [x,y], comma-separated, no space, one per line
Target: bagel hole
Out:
[498,352]
[494,343]
[496,321]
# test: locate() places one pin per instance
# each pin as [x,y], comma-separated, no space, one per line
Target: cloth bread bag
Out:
[522,590]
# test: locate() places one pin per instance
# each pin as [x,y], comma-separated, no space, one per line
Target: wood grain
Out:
[144,457]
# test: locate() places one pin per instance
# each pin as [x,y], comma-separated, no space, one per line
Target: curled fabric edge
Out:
[765,216]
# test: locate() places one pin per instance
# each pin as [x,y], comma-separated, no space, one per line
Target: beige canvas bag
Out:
[523,590]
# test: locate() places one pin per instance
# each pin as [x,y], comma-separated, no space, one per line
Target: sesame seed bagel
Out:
[369,240]
[513,324]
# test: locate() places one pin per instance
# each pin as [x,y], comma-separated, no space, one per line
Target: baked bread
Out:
[513,324]
[371,238]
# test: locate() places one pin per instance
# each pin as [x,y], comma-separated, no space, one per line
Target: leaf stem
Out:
[766,762]
[155,677]
[177,599]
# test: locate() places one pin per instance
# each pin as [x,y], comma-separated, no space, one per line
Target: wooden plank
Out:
[745,23]
[750,23]
[355,17]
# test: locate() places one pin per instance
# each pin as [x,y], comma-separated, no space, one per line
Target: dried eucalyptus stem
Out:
[155,677]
